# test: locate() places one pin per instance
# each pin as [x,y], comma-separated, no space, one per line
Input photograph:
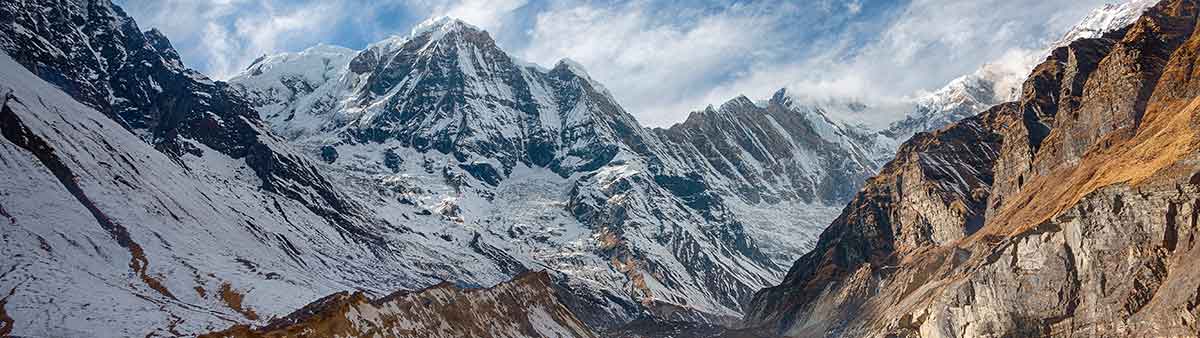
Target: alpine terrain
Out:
[433,185]
[1068,212]
[187,205]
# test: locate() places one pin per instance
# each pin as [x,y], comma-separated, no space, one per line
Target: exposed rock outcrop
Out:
[525,307]
[1088,226]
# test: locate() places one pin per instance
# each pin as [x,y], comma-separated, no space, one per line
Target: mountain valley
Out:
[433,178]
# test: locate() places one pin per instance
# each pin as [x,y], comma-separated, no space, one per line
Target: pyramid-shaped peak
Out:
[738,103]
[442,25]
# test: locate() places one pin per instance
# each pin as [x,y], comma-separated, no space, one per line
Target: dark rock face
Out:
[125,73]
[1055,86]
[392,160]
[1073,221]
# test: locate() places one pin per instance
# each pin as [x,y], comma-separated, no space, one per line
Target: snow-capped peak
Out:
[316,62]
[1105,19]
[848,111]
[439,26]
[576,68]
[573,66]
[737,102]
[1000,80]
[327,49]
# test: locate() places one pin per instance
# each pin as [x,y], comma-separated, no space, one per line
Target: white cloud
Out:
[661,67]
[651,66]
[263,34]
[854,7]
[662,62]
[218,47]
[488,14]
[224,36]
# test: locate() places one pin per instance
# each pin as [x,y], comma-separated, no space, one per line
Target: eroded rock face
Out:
[1086,228]
[931,195]
[523,307]
[1080,274]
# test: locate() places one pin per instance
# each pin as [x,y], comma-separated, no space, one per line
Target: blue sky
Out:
[661,59]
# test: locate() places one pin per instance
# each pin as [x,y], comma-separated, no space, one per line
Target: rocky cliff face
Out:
[1078,221]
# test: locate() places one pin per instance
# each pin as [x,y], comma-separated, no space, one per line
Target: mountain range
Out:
[303,196]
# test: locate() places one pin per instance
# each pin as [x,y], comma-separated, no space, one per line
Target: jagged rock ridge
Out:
[687,216]
[172,197]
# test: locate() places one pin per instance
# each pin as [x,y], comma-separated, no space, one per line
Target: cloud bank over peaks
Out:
[662,59]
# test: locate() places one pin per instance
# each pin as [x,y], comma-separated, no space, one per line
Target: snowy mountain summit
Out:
[446,87]
[681,221]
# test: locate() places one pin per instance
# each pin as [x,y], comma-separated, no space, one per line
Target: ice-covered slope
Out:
[100,217]
[446,160]
[1108,18]
[779,165]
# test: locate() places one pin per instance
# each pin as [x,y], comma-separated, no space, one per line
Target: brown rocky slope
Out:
[1072,212]
[523,307]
